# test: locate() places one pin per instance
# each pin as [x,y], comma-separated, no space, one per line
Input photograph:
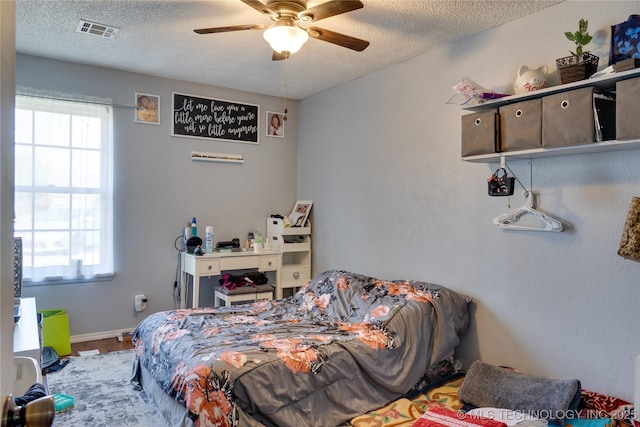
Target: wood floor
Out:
[104,346]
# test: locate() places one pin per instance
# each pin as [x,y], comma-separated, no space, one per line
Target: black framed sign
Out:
[200,117]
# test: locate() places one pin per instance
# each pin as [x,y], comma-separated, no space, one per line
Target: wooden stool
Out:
[242,293]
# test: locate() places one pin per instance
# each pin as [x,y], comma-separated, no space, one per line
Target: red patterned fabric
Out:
[442,417]
[595,405]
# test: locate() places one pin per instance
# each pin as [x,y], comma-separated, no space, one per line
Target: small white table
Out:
[242,293]
[215,264]
[26,333]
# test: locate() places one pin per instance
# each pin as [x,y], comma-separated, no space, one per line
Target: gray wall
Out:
[157,189]
[393,199]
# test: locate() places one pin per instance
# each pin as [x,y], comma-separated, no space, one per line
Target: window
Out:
[63,189]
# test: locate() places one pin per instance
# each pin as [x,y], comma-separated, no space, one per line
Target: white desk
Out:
[26,333]
[215,264]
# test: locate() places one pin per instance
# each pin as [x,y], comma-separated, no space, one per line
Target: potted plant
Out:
[580,65]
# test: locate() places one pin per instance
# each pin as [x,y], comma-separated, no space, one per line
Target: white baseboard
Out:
[98,335]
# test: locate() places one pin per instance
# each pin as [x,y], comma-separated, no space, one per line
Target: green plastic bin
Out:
[55,331]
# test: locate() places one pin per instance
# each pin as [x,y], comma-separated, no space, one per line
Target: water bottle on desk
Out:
[257,247]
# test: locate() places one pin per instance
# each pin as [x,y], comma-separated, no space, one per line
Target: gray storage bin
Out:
[480,133]
[569,118]
[628,109]
[521,125]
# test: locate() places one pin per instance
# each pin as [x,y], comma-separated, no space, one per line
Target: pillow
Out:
[492,386]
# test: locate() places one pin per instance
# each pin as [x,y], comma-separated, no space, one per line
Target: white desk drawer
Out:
[240,262]
[269,263]
[296,274]
[210,267]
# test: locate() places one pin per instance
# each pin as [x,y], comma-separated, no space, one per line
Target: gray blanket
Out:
[345,344]
[492,386]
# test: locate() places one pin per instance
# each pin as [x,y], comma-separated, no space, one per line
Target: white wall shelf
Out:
[216,157]
[540,153]
[606,82]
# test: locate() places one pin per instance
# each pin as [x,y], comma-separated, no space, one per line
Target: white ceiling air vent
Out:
[96,29]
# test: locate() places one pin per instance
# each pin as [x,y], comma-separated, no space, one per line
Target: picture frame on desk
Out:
[300,213]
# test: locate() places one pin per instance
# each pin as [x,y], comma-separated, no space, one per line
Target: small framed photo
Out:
[147,108]
[275,124]
[300,213]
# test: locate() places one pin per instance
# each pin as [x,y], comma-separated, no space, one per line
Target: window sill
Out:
[63,281]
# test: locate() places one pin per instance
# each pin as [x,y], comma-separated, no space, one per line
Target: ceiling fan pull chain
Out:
[286,85]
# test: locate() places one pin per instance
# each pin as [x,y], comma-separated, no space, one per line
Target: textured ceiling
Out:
[157,38]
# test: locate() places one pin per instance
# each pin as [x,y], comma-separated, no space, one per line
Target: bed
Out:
[343,345]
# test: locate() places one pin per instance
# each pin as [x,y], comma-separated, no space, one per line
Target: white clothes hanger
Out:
[545,222]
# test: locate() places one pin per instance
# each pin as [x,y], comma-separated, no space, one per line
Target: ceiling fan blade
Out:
[262,8]
[330,8]
[230,28]
[278,56]
[337,38]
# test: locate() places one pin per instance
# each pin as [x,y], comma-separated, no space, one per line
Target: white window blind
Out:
[63,189]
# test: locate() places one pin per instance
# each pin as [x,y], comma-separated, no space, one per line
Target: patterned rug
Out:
[104,396]
[404,412]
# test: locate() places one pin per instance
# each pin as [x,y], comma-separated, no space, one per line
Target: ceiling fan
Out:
[286,35]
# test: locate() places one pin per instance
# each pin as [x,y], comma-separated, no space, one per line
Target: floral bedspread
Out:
[343,345]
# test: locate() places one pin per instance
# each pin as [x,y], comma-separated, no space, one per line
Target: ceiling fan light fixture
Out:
[284,38]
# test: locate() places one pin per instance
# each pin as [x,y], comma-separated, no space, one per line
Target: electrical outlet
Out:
[140,302]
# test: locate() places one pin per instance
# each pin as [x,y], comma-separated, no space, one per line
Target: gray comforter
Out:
[343,345]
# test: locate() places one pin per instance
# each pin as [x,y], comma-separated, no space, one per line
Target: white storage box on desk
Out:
[275,227]
[294,243]
[286,244]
